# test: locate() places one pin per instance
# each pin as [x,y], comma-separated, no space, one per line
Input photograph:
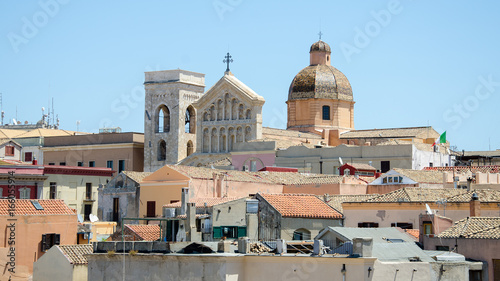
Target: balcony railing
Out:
[89,196]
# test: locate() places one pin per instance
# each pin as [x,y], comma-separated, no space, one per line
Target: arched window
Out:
[190,148]
[222,140]
[220,110]
[212,113]
[234,109]
[302,234]
[326,112]
[227,107]
[248,134]
[214,140]
[205,116]
[239,134]
[190,120]
[249,114]
[206,141]
[162,150]
[240,112]
[163,120]
[231,139]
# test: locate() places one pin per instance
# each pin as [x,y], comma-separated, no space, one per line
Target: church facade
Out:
[182,124]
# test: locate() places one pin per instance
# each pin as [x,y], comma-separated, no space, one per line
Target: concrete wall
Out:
[386,213]
[289,225]
[253,268]
[53,265]
[28,233]
[231,213]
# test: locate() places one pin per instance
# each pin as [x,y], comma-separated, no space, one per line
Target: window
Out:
[403,225]
[162,150]
[368,224]
[326,112]
[427,225]
[24,193]
[28,156]
[91,163]
[163,121]
[190,148]
[9,150]
[430,164]
[384,180]
[385,166]
[79,164]
[52,190]
[151,209]
[253,165]
[190,126]
[347,172]
[109,164]
[88,190]
[233,232]
[52,164]
[121,165]
[442,248]
[62,163]
[49,240]
[302,234]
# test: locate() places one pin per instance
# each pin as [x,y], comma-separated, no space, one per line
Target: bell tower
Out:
[169,117]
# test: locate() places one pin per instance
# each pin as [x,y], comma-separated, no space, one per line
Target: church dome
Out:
[320,46]
[320,81]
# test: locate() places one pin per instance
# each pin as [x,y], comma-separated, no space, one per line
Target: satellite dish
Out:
[93,218]
[80,218]
[341,162]
[429,211]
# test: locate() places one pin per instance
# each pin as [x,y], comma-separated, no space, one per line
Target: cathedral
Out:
[182,120]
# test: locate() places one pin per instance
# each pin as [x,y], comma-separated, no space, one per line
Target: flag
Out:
[441,139]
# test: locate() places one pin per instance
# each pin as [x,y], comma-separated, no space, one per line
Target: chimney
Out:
[475,206]
[469,181]
[184,200]
[362,246]
[326,197]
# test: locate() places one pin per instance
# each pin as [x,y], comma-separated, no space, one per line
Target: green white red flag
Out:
[441,139]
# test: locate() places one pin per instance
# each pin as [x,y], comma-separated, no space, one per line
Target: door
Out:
[496,270]
[385,166]
[116,209]
[88,211]
[151,209]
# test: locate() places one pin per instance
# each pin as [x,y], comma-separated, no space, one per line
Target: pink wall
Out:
[266,159]
[489,249]
[202,188]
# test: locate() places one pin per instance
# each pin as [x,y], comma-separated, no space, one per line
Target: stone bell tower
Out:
[169,117]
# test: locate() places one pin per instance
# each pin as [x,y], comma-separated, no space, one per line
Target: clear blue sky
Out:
[410,63]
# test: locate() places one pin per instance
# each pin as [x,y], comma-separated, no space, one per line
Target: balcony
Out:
[89,196]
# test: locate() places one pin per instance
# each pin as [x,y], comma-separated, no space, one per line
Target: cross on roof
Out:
[320,34]
[227,59]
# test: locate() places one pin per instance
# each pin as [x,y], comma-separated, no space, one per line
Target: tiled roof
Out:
[136,176]
[410,132]
[474,228]
[76,253]
[362,166]
[474,169]
[301,206]
[422,176]
[416,194]
[147,232]
[488,153]
[11,133]
[46,133]
[24,207]
[200,202]
[413,232]
[289,133]
[335,201]
[283,178]
[485,195]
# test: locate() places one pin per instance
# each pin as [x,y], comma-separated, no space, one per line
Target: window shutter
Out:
[242,231]
[57,239]
[217,232]
[44,242]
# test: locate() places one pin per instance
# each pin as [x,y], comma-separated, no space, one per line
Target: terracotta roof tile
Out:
[76,253]
[462,170]
[409,132]
[422,176]
[301,206]
[25,207]
[474,228]
[136,176]
[419,194]
[200,202]
[335,201]
[147,232]
[413,232]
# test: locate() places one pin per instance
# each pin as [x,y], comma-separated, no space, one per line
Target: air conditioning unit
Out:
[85,236]
[245,168]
